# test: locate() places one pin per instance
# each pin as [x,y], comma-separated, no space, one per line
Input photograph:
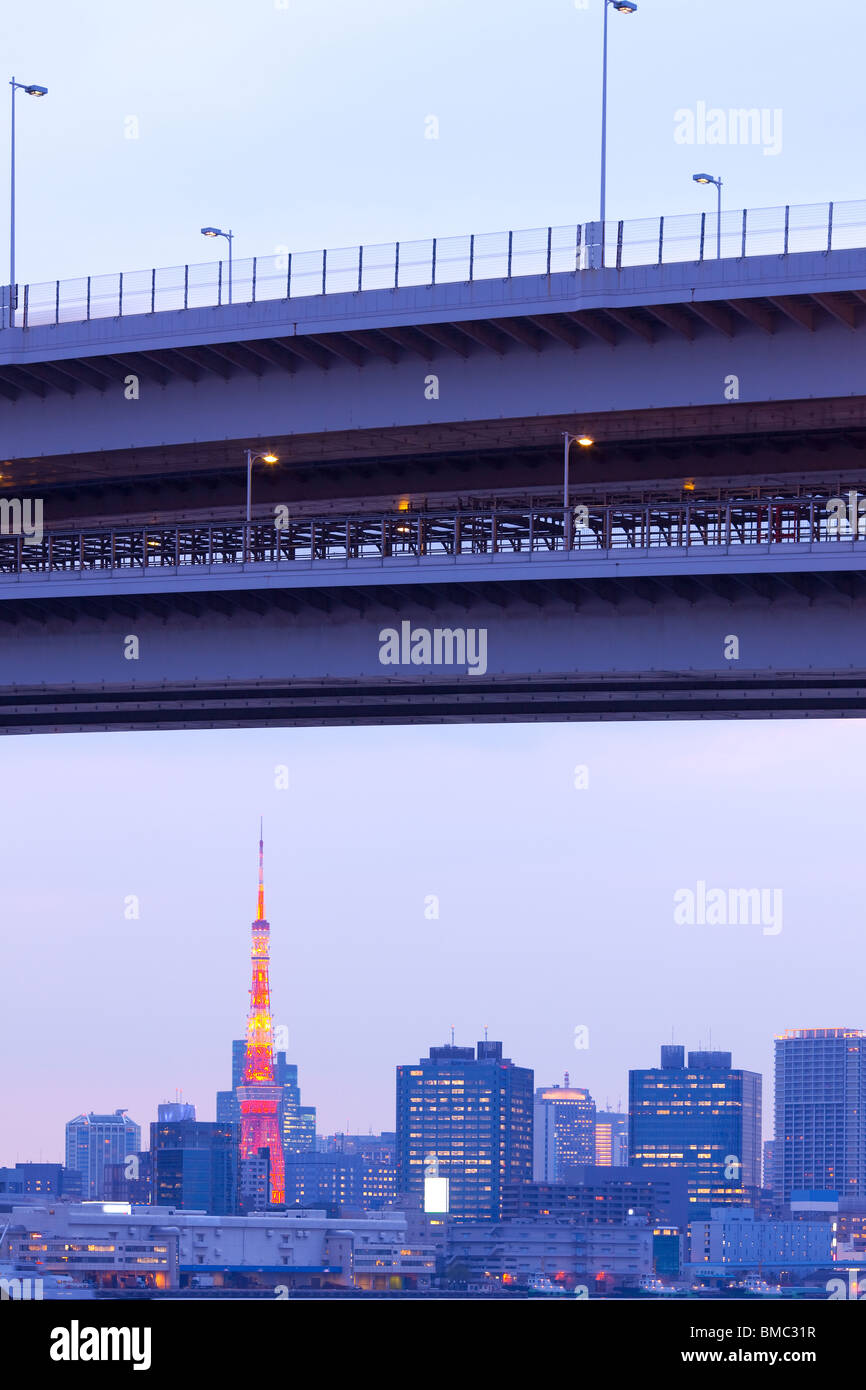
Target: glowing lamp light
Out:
[270,458]
[585,441]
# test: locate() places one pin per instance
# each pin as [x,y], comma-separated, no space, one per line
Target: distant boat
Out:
[650,1283]
[539,1283]
[754,1283]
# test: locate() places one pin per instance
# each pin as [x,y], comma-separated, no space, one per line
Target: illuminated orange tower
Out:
[259,1095]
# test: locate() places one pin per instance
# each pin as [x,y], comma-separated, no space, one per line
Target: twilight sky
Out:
[555,904]
[301,123]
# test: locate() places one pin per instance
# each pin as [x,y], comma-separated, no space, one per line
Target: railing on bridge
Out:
[440,260]
[405,536]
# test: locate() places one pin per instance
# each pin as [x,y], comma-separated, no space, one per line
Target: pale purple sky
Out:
[303,125]
[556,904]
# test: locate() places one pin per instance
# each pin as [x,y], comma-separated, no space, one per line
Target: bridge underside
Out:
[663,646]
[679,372]
[776,447]
[549,699]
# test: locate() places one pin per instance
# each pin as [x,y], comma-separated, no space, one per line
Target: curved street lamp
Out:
[229,236]
[252,458]
[32,90]
[708,178]
[622,7]
[586,442]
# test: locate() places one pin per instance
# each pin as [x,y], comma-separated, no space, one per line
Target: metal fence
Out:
[443,260]
[405,536]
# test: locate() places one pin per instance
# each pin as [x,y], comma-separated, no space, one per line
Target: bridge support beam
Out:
[767,652]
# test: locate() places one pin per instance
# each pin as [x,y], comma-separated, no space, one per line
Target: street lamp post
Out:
[252,458]
[708,178]
[623,7]
[585,442]
[32,91]
[229,236]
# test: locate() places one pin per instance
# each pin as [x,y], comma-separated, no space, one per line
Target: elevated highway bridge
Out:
[695,572]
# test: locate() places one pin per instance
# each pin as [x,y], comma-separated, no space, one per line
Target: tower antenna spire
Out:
[260,916]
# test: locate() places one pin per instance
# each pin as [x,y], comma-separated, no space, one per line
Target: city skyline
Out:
[110,141]
[446,423]
[369,924]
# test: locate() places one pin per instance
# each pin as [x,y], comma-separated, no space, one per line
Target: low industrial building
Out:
[595,1193]
[516,1251]
[734,1240]
[117,1245]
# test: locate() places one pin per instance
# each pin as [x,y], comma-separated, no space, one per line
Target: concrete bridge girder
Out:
[787,328]
[614,649]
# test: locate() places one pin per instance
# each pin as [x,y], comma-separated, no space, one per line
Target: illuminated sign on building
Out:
[435,1188]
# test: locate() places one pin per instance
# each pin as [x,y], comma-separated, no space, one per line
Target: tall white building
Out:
[94,1140]
[820,1140]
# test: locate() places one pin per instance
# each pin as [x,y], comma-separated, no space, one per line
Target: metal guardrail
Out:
[406,536]
[442,260]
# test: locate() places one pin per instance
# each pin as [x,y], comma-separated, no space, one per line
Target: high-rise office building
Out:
[604,1194]
[94,1140]
[324,1180]
[254,1181]
[468,1115]
[377,1158]
[297,1121]
[769,1172]
[228,1110]
[42,1180]
[820,1131]
[611,1139]
[174,1112]
[129,1181]
[703,1115]
[194,1164]
[563,1130]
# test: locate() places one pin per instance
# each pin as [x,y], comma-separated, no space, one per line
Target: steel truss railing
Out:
[407,536]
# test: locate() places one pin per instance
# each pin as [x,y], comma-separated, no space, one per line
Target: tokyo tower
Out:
[259,1095]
